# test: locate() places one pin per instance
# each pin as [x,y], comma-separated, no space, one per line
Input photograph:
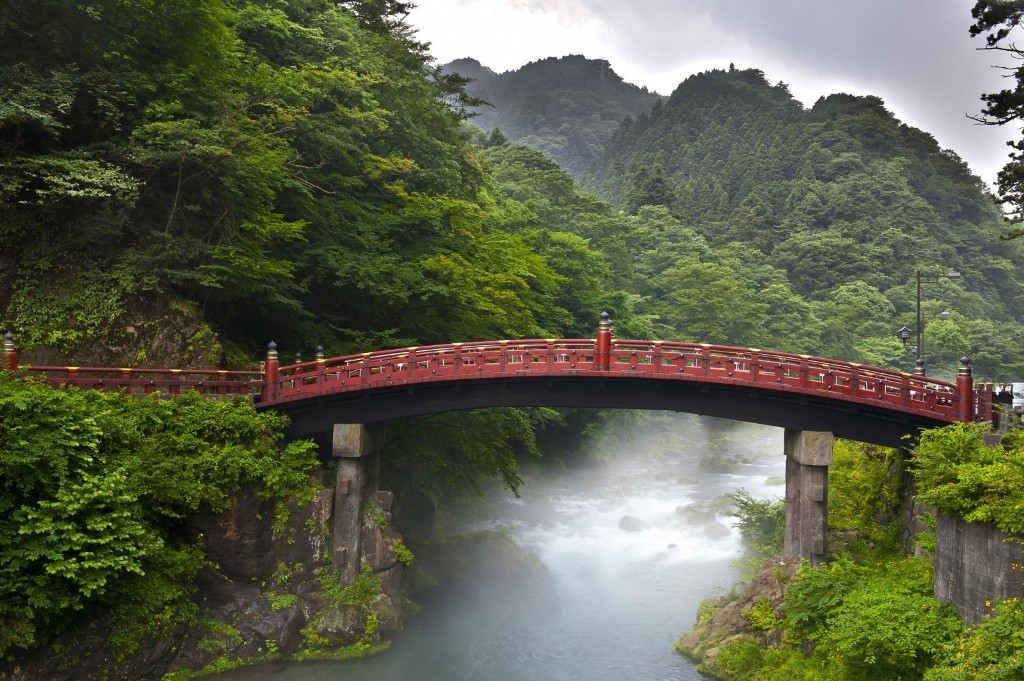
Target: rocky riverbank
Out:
[267,591]
[746,613]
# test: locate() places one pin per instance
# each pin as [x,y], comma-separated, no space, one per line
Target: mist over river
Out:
[622,571]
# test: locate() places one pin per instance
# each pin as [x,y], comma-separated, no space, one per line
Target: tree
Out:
[708,303]
[496,138]
[649,187]
[997,20]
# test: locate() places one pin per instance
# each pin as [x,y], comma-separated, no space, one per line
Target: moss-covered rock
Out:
[750,613]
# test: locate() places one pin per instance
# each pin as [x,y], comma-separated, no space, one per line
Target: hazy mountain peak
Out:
[568,107]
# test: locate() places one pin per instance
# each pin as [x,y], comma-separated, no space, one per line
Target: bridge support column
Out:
[808,455]
[356,448]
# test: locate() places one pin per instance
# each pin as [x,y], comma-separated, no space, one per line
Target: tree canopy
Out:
[997,21]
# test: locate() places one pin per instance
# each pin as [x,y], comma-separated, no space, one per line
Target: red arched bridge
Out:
[791,391]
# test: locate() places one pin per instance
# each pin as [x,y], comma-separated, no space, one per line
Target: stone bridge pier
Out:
[356,450]
[808,456]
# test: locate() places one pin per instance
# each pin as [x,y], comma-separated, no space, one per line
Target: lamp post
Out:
[904,335]
[928,279]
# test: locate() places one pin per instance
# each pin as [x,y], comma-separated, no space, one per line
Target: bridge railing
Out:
[664,359]
[801,373]
[545,357]
[456,361]
[145,381]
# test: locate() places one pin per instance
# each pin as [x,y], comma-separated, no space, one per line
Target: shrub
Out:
[762,522]
[959,474]
[878,621]
[993,650]
[92,486]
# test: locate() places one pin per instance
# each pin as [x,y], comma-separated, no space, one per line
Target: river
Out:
[609,602]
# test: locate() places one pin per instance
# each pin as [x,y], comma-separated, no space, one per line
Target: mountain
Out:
[839,192]
[567,107]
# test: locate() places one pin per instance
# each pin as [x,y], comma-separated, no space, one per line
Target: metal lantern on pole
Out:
[904,335]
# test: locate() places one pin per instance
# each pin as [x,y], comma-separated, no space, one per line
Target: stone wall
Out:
[973,566]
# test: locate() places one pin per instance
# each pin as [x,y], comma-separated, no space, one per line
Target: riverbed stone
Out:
[341,624]
[716,530]
[698,512]
[628,523]
[388,612]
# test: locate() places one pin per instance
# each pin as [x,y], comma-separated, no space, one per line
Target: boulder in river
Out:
[628,523]
[698,512]
[717,530]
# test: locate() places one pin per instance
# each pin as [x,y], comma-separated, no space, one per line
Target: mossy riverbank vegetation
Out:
[95,489]
[869,612]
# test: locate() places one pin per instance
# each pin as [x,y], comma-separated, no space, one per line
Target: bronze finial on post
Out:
[965,391]
[919,367]
[10,354]
[603,347]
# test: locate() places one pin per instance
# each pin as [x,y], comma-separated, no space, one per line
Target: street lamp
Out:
[928,279]
[904,335]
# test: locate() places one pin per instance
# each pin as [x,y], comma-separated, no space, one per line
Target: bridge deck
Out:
[701,378]
[666,360]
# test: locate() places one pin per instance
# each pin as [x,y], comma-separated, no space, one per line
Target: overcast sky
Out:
[916,55]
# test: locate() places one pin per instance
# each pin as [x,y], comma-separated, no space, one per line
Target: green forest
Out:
[302,171]
[755,221]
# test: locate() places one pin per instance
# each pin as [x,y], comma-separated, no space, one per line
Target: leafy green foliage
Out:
[281,601]
[959,474]
[93,484]
[872,621]
[762,522]
[864,491]
[762,617]
[993,650]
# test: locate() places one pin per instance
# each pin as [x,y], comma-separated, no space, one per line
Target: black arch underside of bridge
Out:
[797,411]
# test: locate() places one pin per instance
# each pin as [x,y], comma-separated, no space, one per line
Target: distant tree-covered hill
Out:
[844,199]
[567,107]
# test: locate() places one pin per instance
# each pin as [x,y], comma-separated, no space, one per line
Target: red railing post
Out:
[321,369]
[603,348]
[10,354]
[965,391]
[269,390]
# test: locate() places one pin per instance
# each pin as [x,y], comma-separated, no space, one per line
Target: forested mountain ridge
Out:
[751,219]
[837,198]
[568,107]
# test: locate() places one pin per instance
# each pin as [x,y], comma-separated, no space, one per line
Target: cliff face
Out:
[268,591]
[153,331]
